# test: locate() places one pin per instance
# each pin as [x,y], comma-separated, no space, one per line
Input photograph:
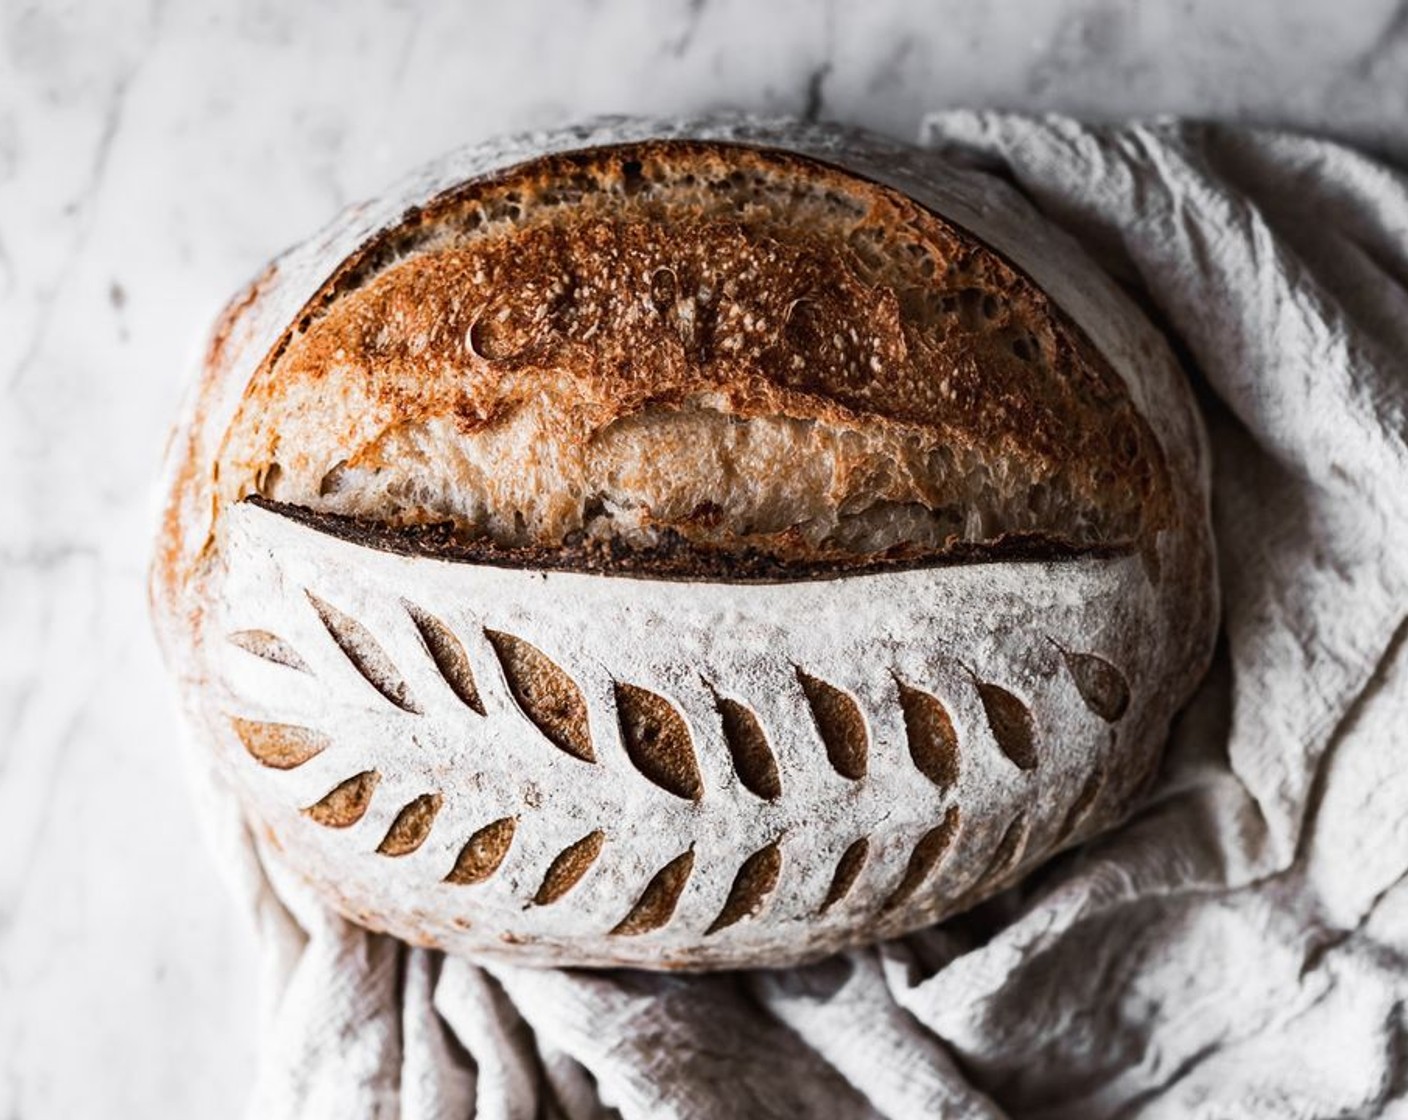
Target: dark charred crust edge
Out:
[675,558]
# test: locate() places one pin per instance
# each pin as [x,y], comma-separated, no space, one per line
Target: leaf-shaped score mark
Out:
[657,741]
[1008,852]
[568,868]
[1011,723]
[933,743]
[449,657]
[1102,686]
[753,760]
[279,746]
[756,879]
[848,869]
[840,724]
[926,856]
[269,647]
[411,826]
[1085,801]
[657,902]
[483,853]
[366,656]
[545,694]
[347,803]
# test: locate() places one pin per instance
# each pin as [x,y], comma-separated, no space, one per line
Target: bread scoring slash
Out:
[684,546]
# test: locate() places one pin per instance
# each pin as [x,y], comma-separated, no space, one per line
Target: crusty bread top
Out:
[699,349]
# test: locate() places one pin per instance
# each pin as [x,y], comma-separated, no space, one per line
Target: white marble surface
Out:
[152,156]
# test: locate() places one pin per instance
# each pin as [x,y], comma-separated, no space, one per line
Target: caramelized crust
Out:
[696,349]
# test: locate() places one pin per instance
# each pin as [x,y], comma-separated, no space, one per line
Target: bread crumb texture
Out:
[708,344]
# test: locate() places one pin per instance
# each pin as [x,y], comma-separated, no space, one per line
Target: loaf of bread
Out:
[684,547]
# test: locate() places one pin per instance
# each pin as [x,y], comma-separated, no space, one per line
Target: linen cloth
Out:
[1238,948]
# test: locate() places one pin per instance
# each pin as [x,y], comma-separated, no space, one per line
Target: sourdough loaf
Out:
[683,547]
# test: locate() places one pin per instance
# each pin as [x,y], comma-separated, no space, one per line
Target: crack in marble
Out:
[815,98]
[19,705]
[401,66]
[813,91]
[20,849]
[888,72]
[7,270]
[42,558]
[694,11]
[1392,37]
[1089,38]
[84,206]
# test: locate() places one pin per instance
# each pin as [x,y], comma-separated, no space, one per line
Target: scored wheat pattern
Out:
[659,745]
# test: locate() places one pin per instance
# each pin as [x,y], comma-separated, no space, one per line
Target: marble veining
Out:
[153,156]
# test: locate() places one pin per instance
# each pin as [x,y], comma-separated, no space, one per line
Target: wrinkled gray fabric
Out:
[1238,949]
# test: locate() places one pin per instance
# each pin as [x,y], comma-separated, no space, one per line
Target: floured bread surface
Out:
[700,345]
[442,456]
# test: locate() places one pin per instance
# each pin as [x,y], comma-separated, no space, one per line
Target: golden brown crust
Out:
[700,288]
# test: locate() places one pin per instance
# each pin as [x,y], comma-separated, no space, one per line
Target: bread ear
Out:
[727,351]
